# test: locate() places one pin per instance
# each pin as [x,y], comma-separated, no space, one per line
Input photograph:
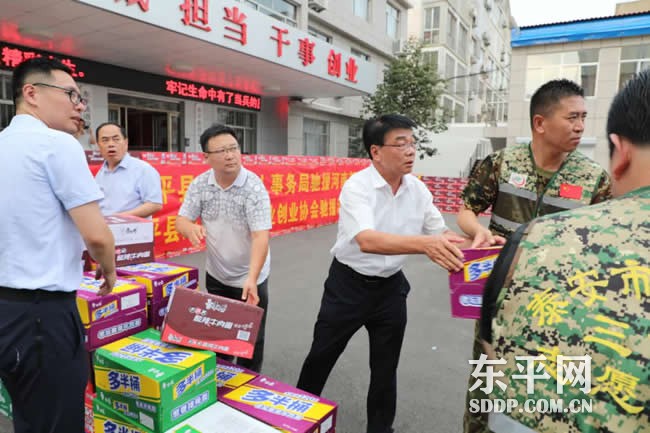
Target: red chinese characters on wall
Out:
[306,51]
[195,14]
[239,32]
[334,63]
[351,69]
[211,94]
[12,57]
[144,4]
[279,38]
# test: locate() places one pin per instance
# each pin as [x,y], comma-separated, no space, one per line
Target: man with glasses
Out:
[386,213]
[235,212]
[131,186]
[49,210]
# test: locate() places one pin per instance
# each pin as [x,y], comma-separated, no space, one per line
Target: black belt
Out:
[11,294]
[361,277]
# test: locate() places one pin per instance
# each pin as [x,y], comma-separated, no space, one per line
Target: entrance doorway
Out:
[150,125]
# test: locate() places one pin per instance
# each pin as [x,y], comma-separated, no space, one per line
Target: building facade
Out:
[601,54]
[288,75]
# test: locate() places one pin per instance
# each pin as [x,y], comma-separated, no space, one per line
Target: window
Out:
[431,33]
[281,10]
[431,58]
[355,144]
[360,54]
[244,124]
[459,113]
[580,66]
[320,35]
[315,136]
[634,59]
[392,21]
[462,42]
[461,82]
[6,101]
[360,8]
[452,28]
[448,109]
[450,71]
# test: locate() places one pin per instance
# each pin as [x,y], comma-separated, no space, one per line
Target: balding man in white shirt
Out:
[386,213]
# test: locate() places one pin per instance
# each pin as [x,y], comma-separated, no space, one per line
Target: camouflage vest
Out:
[580,286]
[572,186]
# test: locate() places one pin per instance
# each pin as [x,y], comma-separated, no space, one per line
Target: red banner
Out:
[304,190]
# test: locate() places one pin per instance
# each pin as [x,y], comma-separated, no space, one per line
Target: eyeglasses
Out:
[229,149]
[74,96]
[403,145]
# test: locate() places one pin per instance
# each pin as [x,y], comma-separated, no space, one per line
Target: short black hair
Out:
[551,93]
[375,129]
[630,110]
[120,127]
[35,65]
[213,131]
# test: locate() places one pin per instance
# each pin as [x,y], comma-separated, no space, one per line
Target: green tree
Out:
[411,87]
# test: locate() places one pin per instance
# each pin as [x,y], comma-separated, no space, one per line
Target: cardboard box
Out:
[198,319]
[230,376]
[220,418]
[5,402]
[156,376]
[127,296]
[156,312]
[161,278]
[89,398]
[114,328]
[466,286]
[160,418]
[284,407]
[106,420]
[133,240]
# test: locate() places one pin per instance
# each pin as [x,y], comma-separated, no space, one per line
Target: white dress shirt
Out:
[368,203]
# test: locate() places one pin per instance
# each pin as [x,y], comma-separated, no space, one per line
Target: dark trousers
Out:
[43,360]
[215,287]
[350,301]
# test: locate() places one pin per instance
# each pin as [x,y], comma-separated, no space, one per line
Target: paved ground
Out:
[433,369]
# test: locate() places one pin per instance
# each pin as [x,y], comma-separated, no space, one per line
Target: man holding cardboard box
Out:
[386,213]
[570,293]
[522,182]
[235,212]
[49,209]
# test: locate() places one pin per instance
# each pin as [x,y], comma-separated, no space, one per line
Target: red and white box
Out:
[114,328]
[126,296]
[209,322]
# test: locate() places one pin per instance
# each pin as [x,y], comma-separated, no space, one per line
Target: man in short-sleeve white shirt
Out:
[235,212]
[386,214]
[49,210]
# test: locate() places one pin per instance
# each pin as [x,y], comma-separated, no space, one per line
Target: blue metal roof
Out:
[586,30]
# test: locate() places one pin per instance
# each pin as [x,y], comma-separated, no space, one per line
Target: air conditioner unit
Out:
[473,59]
[399,45]
[504,23]
[473,13]
[317,5]
[486,38]
[488,5]
[503,56]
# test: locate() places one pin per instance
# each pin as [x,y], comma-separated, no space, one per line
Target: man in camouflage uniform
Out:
[577,284]
[524,181]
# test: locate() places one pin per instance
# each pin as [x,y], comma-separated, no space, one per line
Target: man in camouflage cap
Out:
[569,298]
[525,181]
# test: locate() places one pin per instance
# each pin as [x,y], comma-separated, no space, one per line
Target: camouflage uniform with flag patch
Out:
[517,191]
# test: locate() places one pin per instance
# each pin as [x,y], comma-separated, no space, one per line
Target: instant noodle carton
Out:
[201,320]
[127,296]
[231,376]
[282,406]
[156,312]
[5,402]
[106,420]
[152,383]
[466,286]
[115,327]
[220,418]
[161,278]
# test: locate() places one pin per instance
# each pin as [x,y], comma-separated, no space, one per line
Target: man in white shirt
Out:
[386,213]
